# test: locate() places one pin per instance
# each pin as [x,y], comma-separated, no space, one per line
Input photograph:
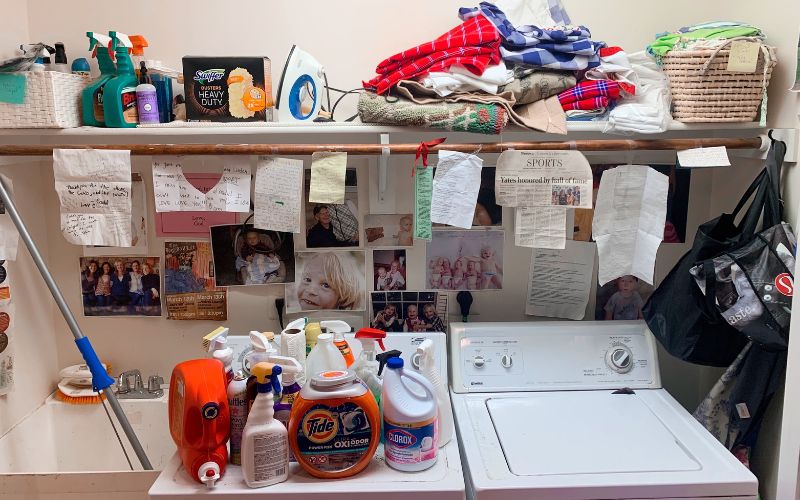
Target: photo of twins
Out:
[389,269]
[332,280]
[465,260]
[409,311]
[394,230]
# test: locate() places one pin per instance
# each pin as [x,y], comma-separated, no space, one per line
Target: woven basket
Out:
[703,91]
[52,100]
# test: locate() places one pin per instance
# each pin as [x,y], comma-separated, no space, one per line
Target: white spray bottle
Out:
[265,441]
[426,356]
[218,347]
[366,366]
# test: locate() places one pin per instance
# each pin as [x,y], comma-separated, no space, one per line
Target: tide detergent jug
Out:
[199,420]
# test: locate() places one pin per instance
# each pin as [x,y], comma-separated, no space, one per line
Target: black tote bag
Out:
[686,324]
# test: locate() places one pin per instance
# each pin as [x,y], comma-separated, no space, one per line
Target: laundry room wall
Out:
[349,37]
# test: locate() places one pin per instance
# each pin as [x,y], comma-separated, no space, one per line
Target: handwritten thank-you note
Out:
[94,189]
[174,193]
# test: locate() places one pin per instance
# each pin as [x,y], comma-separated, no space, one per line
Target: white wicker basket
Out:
[704,91]
[52,100]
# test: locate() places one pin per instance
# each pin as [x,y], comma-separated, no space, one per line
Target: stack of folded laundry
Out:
[490,71]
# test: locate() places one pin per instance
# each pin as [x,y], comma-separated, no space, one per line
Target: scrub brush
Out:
[209,338]
[75,386]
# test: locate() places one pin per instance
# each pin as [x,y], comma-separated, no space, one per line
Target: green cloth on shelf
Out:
[665,43]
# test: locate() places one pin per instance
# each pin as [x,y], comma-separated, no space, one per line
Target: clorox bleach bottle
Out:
[426,354]
[410,419]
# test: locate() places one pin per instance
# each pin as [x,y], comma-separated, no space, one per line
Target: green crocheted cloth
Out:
[456,117]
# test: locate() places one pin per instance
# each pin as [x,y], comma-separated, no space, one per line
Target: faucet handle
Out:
[154,383]
[123,384]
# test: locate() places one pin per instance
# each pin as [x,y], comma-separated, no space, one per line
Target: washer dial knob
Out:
[506,360]
[620,359]
[478,361]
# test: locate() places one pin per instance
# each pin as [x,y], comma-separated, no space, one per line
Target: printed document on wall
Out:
[94,189]
[629,219]
[327,178]
[9,237]
[174,193]
[543,179]
[560,281]
[455,189]
[540,227]
[279,184]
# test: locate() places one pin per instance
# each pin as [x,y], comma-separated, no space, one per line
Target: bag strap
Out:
[773,208]
[710,275]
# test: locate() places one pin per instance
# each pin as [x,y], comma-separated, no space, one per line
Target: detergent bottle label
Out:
[410,443]
[129,111]
[334,438]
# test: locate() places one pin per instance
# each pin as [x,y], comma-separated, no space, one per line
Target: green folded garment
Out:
[665,43]
[454,116]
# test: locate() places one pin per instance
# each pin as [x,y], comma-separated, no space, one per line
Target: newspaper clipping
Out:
[543,178]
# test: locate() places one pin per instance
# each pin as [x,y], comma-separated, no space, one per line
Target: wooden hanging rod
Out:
[377,149]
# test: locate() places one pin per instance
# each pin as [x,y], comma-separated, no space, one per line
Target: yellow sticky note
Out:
[327,178]
[743,57]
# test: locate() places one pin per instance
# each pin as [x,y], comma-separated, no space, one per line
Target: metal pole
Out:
[11,209]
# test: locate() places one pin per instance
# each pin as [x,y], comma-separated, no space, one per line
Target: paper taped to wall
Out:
[423,190]
[543,178]
[541,227]
[279,184]
[9,237]
[560,281]
[455,189]
[327,178]
[174,193]
[628,223]
[704,157]
[94,189]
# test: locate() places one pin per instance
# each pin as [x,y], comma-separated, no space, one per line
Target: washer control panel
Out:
[552,356]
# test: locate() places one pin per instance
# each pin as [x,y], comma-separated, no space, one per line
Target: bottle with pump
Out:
[146,98]
[92,95]
[426,355]
[119,95]
[366,366]
[263,351]
[61,65]
[265,441]
[237,406]
[324,357]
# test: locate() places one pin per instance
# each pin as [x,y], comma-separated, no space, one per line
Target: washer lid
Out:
[585,432]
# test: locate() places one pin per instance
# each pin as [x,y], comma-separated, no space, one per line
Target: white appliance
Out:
[540,415]
[443,481]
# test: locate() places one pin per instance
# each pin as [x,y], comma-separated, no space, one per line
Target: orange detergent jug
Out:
[334,426]
[199,420]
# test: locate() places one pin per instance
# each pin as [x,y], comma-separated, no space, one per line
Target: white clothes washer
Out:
[443,481]
[575,411]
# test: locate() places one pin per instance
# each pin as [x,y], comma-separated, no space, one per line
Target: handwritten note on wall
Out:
[279,182]
[9,237]
[174,193]
[94,188]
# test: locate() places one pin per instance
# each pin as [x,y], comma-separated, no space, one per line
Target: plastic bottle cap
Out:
[395,363]
[332,378]
[209,473]
[270,335]
[324,337]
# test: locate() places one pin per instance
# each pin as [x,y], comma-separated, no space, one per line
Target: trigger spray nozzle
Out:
[384,357]
[268,377]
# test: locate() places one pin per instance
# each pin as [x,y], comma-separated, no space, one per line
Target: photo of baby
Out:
[328,281]
[409,311]
[465,260]
[389,269]
[393,230]
[244,255]
[566,195]
[621,299]
[331,225]
[121,286]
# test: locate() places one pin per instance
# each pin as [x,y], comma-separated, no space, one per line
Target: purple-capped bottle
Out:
[146,98]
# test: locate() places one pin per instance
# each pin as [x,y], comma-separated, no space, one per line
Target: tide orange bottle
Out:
[334,426]
[199,420]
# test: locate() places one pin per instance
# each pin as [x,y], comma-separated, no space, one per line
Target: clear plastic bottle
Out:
[324,357]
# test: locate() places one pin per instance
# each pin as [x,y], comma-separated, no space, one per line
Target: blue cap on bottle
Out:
[395,363]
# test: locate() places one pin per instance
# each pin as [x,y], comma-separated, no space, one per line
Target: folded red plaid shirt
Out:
[474,44]
[589,89]
[589,104]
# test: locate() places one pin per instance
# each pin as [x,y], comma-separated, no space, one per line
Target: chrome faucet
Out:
[125,391]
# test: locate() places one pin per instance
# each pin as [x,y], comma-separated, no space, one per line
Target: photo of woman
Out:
[328,281]
[121,286]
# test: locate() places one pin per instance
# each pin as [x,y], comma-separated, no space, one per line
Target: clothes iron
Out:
[300,88]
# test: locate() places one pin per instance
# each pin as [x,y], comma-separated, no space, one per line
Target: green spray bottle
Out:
[119,95]
[92,96]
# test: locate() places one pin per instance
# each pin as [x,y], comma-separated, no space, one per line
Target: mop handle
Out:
[100,379]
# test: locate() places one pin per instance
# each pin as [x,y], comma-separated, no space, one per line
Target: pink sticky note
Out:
[193,223]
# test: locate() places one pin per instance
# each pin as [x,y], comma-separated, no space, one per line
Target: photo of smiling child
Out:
[465,260]
[389,269]
[621,299]
[420,311]
[392,230]
[328,281]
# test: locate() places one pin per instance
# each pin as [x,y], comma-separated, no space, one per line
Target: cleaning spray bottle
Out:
[92,95]
[366,366]
[265,441]
[341,343]
[218,348]
[119,95]
[138,43]
[426,356]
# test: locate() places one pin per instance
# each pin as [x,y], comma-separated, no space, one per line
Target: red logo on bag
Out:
[783,282]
